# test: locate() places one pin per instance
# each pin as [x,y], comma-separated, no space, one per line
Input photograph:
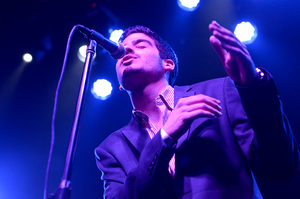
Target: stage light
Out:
[81,54]
[27,57]
[245,32]
[188,5]
[115,34]
[101,89]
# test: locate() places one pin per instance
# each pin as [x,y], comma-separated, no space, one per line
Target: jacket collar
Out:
[183,91]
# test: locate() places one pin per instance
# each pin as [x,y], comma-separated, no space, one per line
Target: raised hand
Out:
[188,109]
[234,55]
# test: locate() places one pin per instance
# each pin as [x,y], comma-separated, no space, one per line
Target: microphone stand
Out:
[64,188]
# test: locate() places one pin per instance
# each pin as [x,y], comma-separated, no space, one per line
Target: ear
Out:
[168,65]
[121,88]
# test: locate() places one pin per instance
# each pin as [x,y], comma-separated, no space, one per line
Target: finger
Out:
[225,35]
[241,53]
[199,103]
[215,27]
[217,46]
[204,98]
[211,108]
[190,116]
[230,40]
[197,99]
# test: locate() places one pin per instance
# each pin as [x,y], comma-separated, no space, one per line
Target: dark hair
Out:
[165,50]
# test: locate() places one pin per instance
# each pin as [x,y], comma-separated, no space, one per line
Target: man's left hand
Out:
[234,55]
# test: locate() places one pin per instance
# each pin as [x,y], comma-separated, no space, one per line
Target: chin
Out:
[133,83]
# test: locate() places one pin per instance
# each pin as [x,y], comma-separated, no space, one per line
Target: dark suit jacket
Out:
[215,158]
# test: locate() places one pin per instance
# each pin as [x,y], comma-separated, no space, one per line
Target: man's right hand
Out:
[188,109]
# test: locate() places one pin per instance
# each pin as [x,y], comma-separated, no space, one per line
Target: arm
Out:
[274,154]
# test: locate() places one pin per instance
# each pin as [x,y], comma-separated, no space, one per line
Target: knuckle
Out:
[180,102]
[201,96]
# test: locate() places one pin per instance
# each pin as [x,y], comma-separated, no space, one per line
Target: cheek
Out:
[119,78]
[118,70]
[118,74]
[155,62]
[118,63]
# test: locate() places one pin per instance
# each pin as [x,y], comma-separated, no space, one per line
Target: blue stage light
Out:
[188,5]
[115,35]
[245,32]
[81,53]
[27,57]
[101,89]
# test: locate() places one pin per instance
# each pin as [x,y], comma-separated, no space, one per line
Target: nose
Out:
[129,50]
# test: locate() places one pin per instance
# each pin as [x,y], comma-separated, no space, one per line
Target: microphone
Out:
[116,50]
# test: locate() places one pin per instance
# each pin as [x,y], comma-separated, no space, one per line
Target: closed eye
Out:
[141,46]
[142,43]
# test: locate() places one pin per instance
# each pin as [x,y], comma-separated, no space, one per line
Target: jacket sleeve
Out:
[146,176]
[273,153]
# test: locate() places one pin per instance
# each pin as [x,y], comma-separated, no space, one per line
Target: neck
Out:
[144,99]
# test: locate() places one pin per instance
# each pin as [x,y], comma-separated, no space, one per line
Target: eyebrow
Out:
[141,40]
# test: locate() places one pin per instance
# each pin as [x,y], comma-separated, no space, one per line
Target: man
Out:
[207,140]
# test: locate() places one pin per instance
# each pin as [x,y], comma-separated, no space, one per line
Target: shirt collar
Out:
[141,117]
[166,97]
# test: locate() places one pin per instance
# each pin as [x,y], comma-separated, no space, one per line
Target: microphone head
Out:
[121,52]
[115,49]
[84,30]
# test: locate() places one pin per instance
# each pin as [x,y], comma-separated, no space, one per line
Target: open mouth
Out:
[127,60]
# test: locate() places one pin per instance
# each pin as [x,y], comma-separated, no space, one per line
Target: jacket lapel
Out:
[180,92]
[136,134]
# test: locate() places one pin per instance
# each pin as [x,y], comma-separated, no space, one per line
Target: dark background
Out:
[27,91]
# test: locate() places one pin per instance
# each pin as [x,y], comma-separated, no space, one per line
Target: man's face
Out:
[142,64]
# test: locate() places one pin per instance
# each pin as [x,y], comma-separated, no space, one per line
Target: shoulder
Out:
[209,86]
[211,83]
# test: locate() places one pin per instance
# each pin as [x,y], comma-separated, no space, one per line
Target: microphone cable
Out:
[54,111]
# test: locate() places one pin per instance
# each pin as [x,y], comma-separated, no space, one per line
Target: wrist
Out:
[167,139]
[259,75]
